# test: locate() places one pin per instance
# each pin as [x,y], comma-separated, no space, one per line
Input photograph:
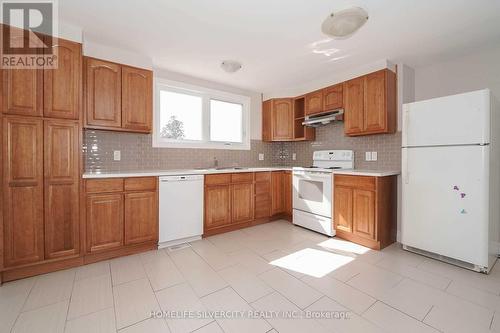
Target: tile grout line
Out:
[24,303]
[69,301]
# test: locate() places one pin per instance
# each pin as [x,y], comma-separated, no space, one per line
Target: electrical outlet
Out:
[261,157]
[117,155]
[294,156]
[374,155]
[368,156]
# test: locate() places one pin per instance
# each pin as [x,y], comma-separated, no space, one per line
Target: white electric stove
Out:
[313,190]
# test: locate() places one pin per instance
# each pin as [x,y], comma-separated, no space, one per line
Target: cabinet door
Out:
[343,208]
[242,202]
[364,213]
[141,218]
[61,190]
[333,97]
[375,104]
[62,86]
[217,206]
[22,190]
[103,94]
[354,105]
[314,102]
[22,92]
[282,121]
[277,195]
[267,120]
[137,99]
[287,192]
[104,222]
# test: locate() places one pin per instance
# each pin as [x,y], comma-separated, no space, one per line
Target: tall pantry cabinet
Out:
[40,164]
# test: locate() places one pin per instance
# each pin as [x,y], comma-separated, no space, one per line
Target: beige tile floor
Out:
[276,269]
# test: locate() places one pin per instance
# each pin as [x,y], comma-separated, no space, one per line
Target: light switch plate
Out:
[261,157]
[117,155]
[368,156]
[374,155]
[294,156]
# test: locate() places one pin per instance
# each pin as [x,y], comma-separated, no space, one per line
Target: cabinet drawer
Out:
[104,185]
[140,184]
[263,176]
[263,188]
[243,177]
[222,178]
[362,182]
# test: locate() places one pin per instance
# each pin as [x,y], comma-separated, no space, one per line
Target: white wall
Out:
[477,70]
[255,97]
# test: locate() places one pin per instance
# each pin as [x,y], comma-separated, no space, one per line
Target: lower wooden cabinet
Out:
[242,202]
[217,206]
[141,217]
[238,200]
[365,209]
[281,183]
[121,212]
[104,222]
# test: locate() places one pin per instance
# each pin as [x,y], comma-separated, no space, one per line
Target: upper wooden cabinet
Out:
[314,102]
[62,86]
[53,93]
[333,97]
[117,97]
[365,209]
[137,99]
[282,120]
[103,94]
[370,104]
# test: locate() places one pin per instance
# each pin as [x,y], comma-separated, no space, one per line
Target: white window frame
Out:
[206,94]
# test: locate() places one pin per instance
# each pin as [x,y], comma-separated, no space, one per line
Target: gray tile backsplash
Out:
[137,152]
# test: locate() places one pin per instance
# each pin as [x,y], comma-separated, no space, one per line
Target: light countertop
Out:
[174,172]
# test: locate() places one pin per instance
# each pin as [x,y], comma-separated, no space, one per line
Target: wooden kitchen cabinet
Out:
[282,120]
[277,192]
[281,192]
[333,97]
[141,220]
[242,202]
[121,216]
[262,205]
[61,188]
[22,191]
[314,102]
[217,206]
[22,92]
[104,222]
[287,192]
[238,200]
[137,99]
[103,107]
[370,104]
[117,97]
[365,209]
[62,87]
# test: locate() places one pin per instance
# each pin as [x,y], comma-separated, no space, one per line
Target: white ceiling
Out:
[279,42]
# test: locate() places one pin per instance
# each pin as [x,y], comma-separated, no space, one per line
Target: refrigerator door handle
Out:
[405,124]
[406,169]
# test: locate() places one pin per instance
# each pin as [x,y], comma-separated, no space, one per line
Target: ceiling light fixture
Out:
[230,66]
[344,23]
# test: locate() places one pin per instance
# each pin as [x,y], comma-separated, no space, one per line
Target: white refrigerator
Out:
[450,179]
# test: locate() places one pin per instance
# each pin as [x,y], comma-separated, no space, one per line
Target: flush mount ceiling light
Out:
[230,66]
[344,23]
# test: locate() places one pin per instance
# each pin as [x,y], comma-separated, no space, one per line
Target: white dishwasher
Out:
[181,209]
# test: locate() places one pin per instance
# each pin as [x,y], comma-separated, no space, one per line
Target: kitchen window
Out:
[188,116]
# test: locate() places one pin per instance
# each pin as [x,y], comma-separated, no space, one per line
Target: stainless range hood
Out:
[322,119]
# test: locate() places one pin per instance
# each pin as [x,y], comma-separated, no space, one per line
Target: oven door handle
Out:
[309,176]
